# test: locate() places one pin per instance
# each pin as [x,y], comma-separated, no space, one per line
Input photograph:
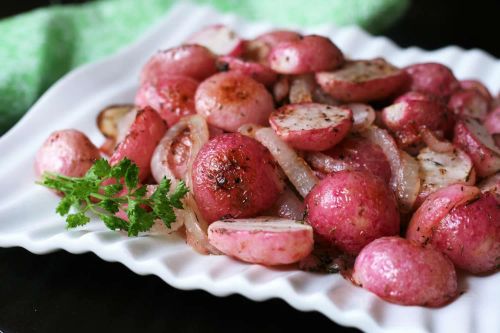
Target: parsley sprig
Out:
[105,189]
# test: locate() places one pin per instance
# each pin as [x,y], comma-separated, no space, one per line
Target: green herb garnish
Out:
[105,189]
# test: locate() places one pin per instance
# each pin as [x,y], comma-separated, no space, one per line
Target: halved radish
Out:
[256,71]
[435,208]
[307,55]
[469,103]
[473,138]
[438,170]
[477,86]
[258,49]
[363,81]
[311,126]
[492,124]
[219,39]
[412,113]
[263,240]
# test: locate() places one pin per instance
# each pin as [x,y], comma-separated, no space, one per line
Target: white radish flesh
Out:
[311,126]
[438,170]
[265,240]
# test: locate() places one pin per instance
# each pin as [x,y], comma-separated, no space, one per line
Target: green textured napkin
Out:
[40,46]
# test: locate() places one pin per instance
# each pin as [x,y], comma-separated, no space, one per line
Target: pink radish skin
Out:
[219,39]
[259,48]
[172,98]
[307,55]
[311,126]
[141,140]
[363,155]
[349,209]
[363,81]
[405,273]
[193,61]
[256,71]
[411,113]
[470,235]
[66,152]
[234,177]
[473,138]
[492,125]
[432,78]
[435,208]
[266,241]
[229,100]
[469,103]
[477,86]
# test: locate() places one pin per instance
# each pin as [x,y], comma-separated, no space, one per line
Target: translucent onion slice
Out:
[325,163]
[434,143]
[296,169]
[405,181]
[363,115]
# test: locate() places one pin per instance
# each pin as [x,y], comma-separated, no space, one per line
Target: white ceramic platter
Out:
[27,217]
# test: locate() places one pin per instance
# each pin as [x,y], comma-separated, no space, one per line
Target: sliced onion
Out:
[434,143]
[196,225]
[404,181]
[297,170]
[408,182]
[288,205]
[325,163]
[363,115]
[301,89]
[249,130]
[281,88]
[159,162]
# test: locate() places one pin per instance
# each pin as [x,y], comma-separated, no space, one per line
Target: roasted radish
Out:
[438,170]
[193,61]
[357,153]
[349,209]
[473,138]
[405,273]
[311,126]
[255,70]
[492,125]
[234,177]
[229,100]
[412,113]
[259,48]
[469,103]
[307,55]
[362,81]
[264,240]
[477,86]
[219,39]
[66,152]
[171,97]
[432,78]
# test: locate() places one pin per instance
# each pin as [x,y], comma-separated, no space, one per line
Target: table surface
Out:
[63,292]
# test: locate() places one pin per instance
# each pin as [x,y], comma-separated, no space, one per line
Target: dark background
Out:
[62,292]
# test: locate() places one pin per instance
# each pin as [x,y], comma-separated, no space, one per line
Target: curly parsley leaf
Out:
[101,191]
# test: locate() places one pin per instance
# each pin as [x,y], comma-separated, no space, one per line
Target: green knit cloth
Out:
[38,47]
